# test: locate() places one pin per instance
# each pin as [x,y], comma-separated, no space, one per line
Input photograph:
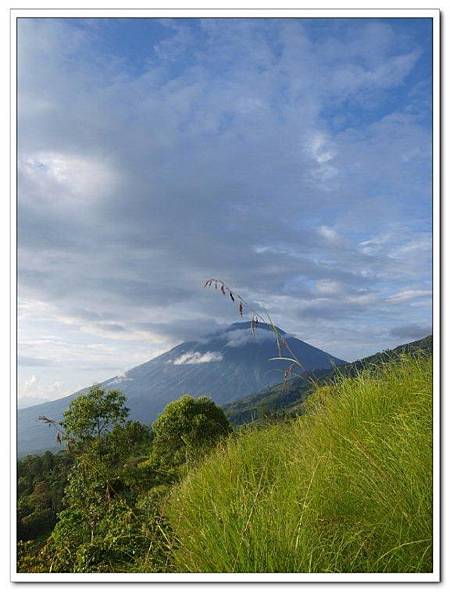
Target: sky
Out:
[290,158]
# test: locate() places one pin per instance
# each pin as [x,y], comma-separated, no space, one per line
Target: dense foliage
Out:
[109,517]
[185,430]
[92,415]
[40,489]
[346,487]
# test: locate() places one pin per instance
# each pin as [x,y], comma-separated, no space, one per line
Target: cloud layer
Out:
[198,358]
[291,158]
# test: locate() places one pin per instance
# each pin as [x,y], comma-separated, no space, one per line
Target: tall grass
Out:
[347,488]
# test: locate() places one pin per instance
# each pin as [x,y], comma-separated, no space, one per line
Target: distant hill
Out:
[288,397]
[225,365]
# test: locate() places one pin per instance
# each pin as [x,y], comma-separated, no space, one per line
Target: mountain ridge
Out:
[225,365]
[288,397]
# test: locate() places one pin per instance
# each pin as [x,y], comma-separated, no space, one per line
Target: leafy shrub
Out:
[185,430]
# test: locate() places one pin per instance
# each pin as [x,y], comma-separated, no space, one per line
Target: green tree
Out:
[99,529]
[185,430]
[113,518]
[94,414]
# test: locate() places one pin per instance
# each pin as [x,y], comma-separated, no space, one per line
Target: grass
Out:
[346,488]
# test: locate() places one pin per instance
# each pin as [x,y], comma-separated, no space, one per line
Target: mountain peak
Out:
[226,365]
[248,325]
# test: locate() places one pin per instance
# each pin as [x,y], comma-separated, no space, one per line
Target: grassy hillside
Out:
[288,397]
[346,488]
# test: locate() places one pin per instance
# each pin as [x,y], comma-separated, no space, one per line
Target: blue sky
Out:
[289,157]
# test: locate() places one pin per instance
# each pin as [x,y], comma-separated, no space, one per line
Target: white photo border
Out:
[435,576]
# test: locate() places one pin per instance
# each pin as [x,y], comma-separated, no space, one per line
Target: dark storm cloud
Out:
[410,332]
[330,310]
[182,329]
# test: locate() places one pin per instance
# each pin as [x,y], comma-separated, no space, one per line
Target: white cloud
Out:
[408,295]
[320,148]
[375,245]
[119,379]
[331,236]
[34,390]
[241,337]
[328,287]
[60,177]
[197,358]
[416,248]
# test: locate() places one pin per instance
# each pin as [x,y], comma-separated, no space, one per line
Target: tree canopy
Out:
[186,428]
[92,415]
[110,511]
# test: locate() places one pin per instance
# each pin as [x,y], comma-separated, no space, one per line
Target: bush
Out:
[346,488]
[185,430]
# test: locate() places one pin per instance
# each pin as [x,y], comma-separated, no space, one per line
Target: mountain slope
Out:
[225,366]
[289,396]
